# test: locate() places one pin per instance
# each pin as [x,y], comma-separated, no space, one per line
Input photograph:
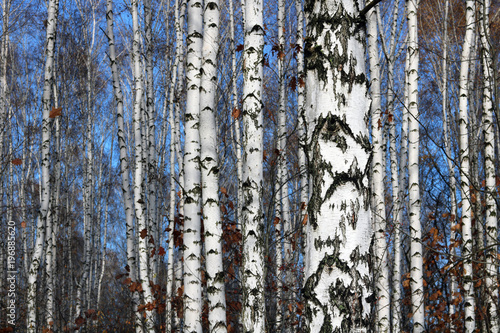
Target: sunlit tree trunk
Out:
[53,11]
[253,307]
[467,239]
[139,199]
[192,186]
[210,171]
[337,289]
[491,287]
[379,217]
[124,165]
[416,254]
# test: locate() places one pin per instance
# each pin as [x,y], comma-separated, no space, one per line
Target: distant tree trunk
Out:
[467,238]
[53,11]
[337,289]
[124,166]
[253,307]
[491,287]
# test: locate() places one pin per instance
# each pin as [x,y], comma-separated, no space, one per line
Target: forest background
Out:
[159,167]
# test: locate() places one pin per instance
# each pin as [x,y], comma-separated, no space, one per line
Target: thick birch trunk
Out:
[53,11]
[210,172]
[192,186]
[337,290]
[467,239]
[253,307]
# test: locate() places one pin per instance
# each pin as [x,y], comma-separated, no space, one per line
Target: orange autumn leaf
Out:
[55,112]
[17,161]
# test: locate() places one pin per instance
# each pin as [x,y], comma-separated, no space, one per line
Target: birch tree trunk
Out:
[253,300]
[192,186]
[337,289]
[416,250]
[139,199]
[124,165]
[210,172]
[451,168]
[53,11]
[491,287]
[379,218]
[467,239]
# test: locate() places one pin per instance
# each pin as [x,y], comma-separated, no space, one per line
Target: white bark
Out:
[124,165]
[253,301]
[139,199]
[192,186]
[416,250]
[337,290]
[467,239]
[379,216]
[210,172]
[491,287]
[53,11]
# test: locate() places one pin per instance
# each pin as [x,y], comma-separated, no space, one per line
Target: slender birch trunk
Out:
[139,199]
[4,48]
[451,167]
[416,250]
[124,165]
[210,171]
[236,127]
[53,11]
[153,222]
[491,287]
[192,186]
[173,103]
[282,175]
[253,301]
[337,290]
[467,238]
[379,217]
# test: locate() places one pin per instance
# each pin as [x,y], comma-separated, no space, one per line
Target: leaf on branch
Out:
[223,190]
[239,48]
[79,321]
[304,221]
[236,113]
[293,83]
[17,161]
[143,233]
[23,224]
[55,112]
[276,220]
[161,251]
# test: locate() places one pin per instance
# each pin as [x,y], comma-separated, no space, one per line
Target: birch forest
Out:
[254,166]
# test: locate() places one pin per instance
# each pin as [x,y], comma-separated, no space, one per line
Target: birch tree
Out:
[489,168]
[124,164]
[467,240]
[192,181]
[41,224]
[337,289]
[210,171]
[379,217]
[253,301]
